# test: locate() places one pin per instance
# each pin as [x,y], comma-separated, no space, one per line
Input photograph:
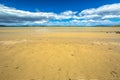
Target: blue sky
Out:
[60,12]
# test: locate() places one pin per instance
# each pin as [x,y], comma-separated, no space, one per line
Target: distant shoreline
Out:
[59,26]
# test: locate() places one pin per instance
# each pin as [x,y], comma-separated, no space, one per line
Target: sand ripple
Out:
[11,42]
[106,43]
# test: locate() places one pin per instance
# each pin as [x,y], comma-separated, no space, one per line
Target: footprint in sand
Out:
[72,54]
[109,48]
[113,73]
[17,67]
[59,69]
[32,79]
[70,79]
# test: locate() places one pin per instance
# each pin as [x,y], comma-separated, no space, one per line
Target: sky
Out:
[59,12]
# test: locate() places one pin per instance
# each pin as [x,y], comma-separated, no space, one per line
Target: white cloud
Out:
[106,11]
[68,13]
[88,17]
[91,22]
[109,9]
[10,15]
[40,22]
[110,16]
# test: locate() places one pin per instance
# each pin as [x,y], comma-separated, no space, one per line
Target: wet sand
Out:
[59,53]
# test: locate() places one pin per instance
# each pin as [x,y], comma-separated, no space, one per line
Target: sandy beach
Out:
[59,53]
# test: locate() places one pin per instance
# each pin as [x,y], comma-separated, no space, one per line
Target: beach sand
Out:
[59,53]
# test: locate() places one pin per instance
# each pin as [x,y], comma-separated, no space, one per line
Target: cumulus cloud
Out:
[111,11]
[13,16]
[103,15]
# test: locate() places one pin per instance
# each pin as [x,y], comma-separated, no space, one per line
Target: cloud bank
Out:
[103,15]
